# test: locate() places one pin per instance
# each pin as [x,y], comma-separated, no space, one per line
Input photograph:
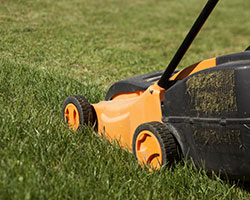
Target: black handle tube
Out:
[163,82]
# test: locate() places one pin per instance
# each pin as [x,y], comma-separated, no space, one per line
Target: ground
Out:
[53,49]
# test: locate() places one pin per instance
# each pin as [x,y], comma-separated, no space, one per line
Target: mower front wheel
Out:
[77,111]
[154,145]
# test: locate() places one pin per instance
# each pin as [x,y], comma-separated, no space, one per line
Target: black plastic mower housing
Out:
[209,114]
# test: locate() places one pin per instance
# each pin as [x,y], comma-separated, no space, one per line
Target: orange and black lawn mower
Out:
[202,111]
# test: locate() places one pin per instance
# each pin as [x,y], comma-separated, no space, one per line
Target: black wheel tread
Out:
[167,140]
[86,112]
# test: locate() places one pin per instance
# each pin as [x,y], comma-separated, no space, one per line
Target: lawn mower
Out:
[202,111]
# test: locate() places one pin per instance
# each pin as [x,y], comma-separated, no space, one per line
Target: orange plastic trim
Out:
[127,95]
[148,150]
[194,68]
[72,116]
[118,118]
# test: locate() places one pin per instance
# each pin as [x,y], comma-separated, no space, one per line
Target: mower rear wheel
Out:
[77,111]
[154,145]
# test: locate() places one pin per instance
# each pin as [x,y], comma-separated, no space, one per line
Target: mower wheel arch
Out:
[154,145]
[77,111]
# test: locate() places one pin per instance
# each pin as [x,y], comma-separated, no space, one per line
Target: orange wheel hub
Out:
[148,150]
[71,116]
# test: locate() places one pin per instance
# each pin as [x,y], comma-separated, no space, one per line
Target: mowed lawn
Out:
[53,49]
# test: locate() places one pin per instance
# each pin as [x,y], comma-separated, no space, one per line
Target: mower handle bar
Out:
[164,80]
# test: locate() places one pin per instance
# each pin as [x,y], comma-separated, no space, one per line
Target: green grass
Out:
[53,49]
